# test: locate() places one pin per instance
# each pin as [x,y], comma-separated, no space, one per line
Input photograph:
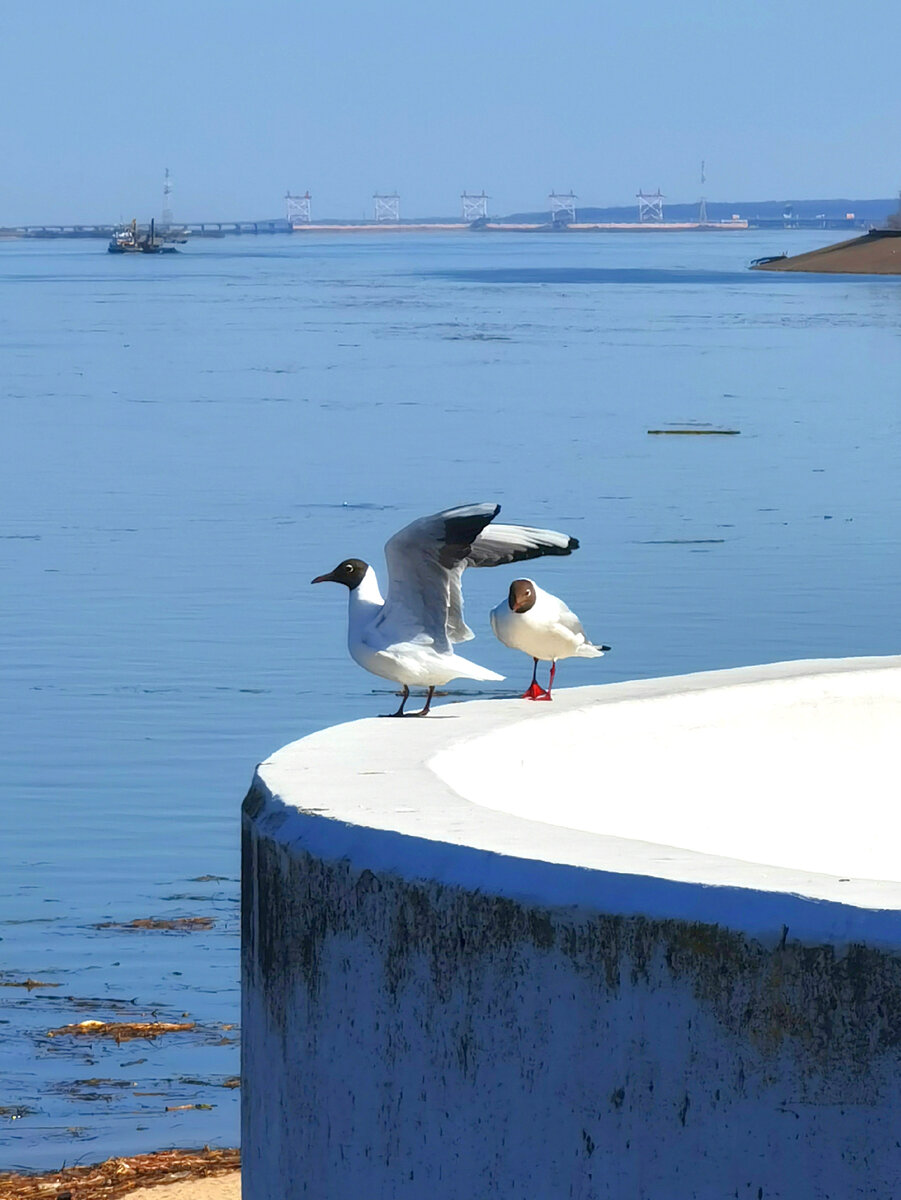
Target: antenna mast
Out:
[166,217]
[702,205]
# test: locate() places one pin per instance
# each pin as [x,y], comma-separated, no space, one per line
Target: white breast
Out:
[547,631]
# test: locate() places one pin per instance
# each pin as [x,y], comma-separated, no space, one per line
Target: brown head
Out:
[522,595]
[350,573]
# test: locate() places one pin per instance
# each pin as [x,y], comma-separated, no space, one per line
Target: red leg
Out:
[534,690]
[424,712]
[550,683]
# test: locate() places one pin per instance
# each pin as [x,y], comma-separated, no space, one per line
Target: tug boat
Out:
[131,240]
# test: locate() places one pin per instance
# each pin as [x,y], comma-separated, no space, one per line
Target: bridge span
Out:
[194,228]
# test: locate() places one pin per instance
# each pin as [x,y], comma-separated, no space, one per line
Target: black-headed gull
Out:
[409,638]
[539,624]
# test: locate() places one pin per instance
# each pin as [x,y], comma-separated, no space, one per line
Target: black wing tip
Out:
[572,544]
[544,551]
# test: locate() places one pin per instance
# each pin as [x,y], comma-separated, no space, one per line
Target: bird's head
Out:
[522,595]
[350,573]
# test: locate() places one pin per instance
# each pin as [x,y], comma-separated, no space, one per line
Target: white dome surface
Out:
[798,772]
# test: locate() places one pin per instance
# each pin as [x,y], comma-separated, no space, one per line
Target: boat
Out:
[131,240]
[125,241]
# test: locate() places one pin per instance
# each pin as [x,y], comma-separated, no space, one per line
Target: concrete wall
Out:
[445,1000]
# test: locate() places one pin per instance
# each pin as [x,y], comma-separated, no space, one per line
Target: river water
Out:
[187,440]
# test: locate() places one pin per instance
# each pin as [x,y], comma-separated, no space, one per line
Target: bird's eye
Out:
[348,566]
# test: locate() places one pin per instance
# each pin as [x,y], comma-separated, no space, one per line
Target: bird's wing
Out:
[501,544]
[425,561]
[568,619]
[496,546]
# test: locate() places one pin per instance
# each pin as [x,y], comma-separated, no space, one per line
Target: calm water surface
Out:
[187,440]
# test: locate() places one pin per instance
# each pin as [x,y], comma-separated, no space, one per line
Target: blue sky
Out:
[245,100]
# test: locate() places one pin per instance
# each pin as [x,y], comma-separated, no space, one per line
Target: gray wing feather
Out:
[426,560]
[570,621]
[499,544]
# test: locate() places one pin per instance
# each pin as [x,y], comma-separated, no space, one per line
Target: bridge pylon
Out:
[297,209]
[387,208]
[563,207]
[475,208]
[650,206]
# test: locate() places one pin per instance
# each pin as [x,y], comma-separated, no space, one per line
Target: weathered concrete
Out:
[446,1000]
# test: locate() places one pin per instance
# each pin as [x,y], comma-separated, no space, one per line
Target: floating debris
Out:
[26,983]
[477,337]
[188,897]
[15,1112]
[186,1107]
[699,432]
[121,1031]
[117,1004]
[185,924]
[91,1089]
[118,1176]
[231,1082]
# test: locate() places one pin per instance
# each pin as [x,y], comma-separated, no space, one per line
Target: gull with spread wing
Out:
[409,638]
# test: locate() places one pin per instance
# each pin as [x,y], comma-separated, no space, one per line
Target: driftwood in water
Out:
[121,1031]
[708,432]
[188,924]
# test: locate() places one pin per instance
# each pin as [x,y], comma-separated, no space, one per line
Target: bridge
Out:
[194,228]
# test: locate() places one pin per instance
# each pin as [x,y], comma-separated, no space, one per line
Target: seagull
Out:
[533,620]
[409,638]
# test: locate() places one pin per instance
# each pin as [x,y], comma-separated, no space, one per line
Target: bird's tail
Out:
[471,670]
[588,651]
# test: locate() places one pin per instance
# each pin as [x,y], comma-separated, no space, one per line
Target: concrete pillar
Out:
[448,992]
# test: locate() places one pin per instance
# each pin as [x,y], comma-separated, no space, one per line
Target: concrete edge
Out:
[364,792]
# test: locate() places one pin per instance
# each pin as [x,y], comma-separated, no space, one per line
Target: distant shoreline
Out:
[832,213]
[526,227]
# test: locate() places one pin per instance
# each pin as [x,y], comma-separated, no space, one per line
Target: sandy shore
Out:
[206,1174]
[215,1187]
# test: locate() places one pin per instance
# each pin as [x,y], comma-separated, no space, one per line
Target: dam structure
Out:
[642,942]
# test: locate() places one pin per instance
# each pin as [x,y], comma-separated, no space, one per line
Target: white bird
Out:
[409,638]
[539,624]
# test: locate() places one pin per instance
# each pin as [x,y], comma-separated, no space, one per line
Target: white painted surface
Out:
[457,765]
[793,772]
[443,999]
